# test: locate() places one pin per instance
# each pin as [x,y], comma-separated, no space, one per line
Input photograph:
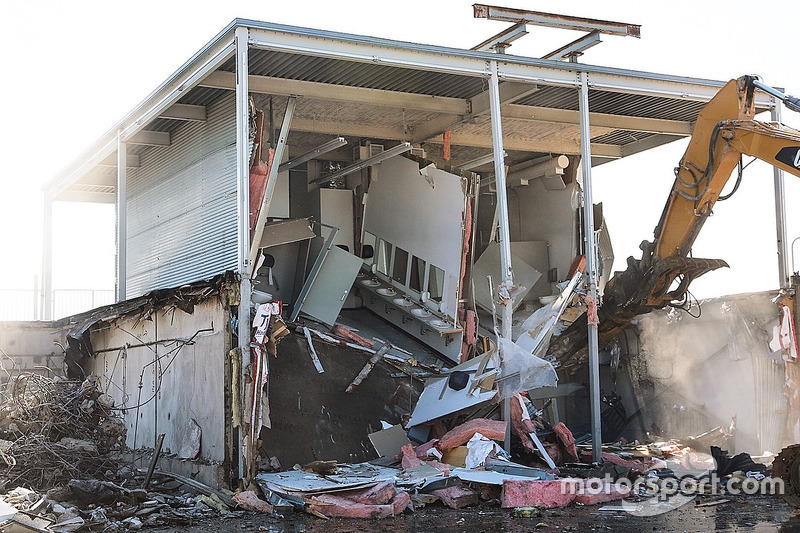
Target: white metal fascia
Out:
[352,50]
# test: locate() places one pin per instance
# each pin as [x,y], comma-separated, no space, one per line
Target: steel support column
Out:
[502,219]
[780,213]
[47,259]
[591,262]
[243,212]
[122,219]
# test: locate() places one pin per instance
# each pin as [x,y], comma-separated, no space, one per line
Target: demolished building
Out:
[354,200]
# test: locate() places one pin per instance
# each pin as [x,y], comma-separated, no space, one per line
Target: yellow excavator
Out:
[725,130]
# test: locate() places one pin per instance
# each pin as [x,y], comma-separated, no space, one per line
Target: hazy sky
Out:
[74,68]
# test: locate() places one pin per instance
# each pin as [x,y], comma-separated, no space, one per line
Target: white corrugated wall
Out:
[182,205]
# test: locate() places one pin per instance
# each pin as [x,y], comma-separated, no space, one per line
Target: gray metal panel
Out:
[182,205]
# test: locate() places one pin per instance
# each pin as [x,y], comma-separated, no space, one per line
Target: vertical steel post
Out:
[780,212]
[241,39]
[591,266]
[47,259]
[502,199]
[122,218]
[502,219]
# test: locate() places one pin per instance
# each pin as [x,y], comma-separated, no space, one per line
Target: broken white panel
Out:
[348,477]
[537,255]
[331,286]
[438,399]
[488,264]
[488,477]
[538,328]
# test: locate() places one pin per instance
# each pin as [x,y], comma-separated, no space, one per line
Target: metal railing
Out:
[27,304]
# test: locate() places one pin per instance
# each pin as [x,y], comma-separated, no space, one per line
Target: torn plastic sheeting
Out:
[522,370]
[480,448]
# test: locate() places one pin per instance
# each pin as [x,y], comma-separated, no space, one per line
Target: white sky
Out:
[74,68]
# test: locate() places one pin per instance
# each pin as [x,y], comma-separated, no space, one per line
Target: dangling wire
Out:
[738,179]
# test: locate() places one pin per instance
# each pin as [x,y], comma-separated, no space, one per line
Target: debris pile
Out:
[55,430]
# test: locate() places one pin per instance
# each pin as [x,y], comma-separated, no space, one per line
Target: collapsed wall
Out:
[691,374]
[36,347]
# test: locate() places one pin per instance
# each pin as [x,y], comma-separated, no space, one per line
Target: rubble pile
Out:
[93,505]
[54,430]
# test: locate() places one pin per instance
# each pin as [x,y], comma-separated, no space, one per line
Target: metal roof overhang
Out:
[420,91]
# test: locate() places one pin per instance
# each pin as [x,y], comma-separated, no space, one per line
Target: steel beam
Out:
[122,219]
[532,145]
[187,112]
[590,247]
[150,138]
[503,39]
[605,120]
[272,178]
[578,46]
[478,105]
[780,214]
[507,281]
[552,20]
[340,93]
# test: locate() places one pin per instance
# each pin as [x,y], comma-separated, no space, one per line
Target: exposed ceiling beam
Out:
[533,145]
[325,91]
[190,113]
[102,195]
[149,138]
[478,105]
[349,129]
[622,122]
[645,144]
[111,161]
[552,20]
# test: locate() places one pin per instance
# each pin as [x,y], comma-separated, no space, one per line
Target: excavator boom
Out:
[724,131]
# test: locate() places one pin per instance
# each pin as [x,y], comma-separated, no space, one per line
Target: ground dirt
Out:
[750,513]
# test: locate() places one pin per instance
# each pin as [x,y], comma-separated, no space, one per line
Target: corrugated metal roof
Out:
[622,137]
[358,74]
[617,103]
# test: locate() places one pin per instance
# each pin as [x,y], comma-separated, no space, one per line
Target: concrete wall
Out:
[31,347]
[172,383]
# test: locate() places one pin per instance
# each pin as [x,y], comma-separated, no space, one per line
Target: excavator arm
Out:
[724,130]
